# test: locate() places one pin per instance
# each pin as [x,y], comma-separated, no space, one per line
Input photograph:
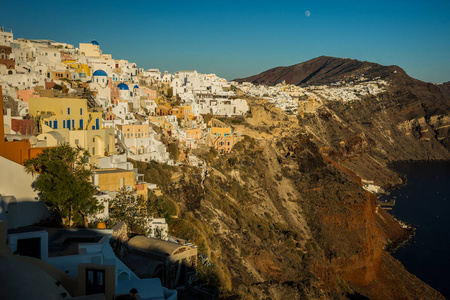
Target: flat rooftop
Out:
[108,171]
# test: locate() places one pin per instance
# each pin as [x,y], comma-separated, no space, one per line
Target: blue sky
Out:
[241,38]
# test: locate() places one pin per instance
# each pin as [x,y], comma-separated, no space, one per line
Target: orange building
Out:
[193,133]
[17,151]
[183,111]
[25,95]
[149,93]
[224,144]
[163,110]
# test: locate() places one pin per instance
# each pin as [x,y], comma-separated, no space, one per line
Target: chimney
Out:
[2,125]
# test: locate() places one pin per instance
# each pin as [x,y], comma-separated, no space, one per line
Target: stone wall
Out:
[119,240]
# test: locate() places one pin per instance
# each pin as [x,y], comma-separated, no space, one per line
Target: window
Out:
[81,111]
[81,124]
[55,124]
[68,110]
[64,123]
[77,141]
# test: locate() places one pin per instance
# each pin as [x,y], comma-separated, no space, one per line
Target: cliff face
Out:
[285,216]
[279,221]
[410,121]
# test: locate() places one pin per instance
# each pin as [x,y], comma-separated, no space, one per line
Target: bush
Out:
[170,207]
[174,151]
[57,87]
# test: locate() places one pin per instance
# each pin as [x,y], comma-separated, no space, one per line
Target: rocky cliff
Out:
[285,217]
[409,121]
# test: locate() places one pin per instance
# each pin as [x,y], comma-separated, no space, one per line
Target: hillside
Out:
[445,88]
[285,215]
[324,70]
[279,220]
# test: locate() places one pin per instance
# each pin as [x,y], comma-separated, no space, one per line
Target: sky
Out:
[236,39]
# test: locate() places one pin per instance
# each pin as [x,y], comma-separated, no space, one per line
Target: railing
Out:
[3,29]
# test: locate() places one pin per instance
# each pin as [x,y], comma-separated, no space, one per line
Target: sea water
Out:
[425,203]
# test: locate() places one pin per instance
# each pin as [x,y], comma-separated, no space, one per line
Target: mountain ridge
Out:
[323,70]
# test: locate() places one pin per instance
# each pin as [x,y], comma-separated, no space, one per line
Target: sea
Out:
[424,202]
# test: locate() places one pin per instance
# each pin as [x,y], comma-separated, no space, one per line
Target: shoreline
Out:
[401,242]
[388,204]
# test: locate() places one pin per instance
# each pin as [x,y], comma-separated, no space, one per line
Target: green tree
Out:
[132,210]
[64,183]
[174,151]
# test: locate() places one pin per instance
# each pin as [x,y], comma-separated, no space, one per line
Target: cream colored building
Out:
[91,49]
[70,119]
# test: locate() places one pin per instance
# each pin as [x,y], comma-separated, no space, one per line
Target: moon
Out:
[307,13]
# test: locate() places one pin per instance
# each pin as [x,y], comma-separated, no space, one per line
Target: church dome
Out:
[100,73]
[94,42]
[123,86]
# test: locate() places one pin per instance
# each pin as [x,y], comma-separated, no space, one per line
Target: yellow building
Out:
[78,67]
[70,118]
[220,131]
[156,119]
[116,179]
[59,75]
[113,179]
[134,131]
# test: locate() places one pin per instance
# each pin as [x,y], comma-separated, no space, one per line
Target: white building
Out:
[83,257]
[6,36]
